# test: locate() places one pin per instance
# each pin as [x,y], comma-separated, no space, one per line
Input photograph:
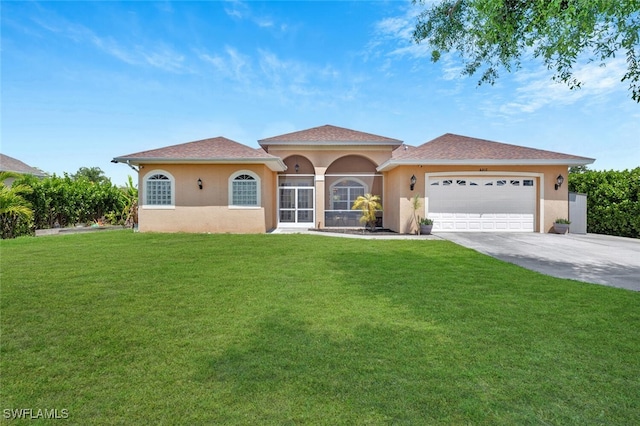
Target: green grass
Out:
[124,328]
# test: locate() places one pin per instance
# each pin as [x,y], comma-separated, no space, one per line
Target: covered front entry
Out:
[296,195]
[481,204]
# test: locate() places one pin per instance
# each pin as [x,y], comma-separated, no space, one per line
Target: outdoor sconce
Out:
[199,183]
[413,182]
[296,167]
[559,181]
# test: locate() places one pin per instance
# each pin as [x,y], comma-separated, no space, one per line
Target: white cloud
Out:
[535,90]
[451,68]
[111,47]
[393,36]
[241,11]
[236,9]
[287,81]
[159,56]
[164,58]
[264,22]
[397,27]
[231,64]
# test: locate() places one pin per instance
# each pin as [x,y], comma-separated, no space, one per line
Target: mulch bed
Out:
[356,231]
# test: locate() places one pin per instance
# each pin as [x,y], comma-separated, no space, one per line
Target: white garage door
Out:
[500,204]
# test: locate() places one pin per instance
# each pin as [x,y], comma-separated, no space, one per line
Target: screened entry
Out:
[296,196]
[342,192]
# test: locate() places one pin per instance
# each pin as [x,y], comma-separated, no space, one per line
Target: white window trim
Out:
[258,189]
[171,206]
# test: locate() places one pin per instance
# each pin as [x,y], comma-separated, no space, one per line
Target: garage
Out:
[481,204]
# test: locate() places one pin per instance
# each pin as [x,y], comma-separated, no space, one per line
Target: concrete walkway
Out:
[592,258]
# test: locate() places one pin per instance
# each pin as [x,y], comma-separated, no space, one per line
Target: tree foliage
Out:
[130,211]
[83,198]
[613,200]
[491,35]
[92,174]
[65,201]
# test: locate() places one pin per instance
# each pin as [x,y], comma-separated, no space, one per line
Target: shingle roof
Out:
[456,149]
[10,164]
[213,150]
[329,135]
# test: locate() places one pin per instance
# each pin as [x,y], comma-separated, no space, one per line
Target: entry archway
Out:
[346,179]
[296,193]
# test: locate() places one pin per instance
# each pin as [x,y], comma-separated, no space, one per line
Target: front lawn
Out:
[124,328]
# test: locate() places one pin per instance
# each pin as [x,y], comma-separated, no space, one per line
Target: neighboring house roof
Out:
[207,151]
[451,149]
[329,135]
[10,164]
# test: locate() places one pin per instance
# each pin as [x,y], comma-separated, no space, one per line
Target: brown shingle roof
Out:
[455,149]
[206,149]
[10,164]
[213,150]
[329,135]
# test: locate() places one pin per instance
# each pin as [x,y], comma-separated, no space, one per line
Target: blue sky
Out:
[83,82]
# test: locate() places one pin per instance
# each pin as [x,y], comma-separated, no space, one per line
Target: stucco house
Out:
[310,179]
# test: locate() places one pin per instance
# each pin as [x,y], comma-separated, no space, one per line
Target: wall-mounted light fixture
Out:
[199,183]
[413,182]
[559,181]
[297,167]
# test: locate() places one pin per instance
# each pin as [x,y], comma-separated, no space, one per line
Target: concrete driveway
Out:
[592,258]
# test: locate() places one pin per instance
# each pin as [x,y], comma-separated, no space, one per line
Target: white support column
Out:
[320,194]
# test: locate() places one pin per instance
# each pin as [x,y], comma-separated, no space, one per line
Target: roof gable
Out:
[329,135]
[456,149]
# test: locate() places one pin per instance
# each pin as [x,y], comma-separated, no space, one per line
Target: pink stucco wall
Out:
[207,209]
[550,205]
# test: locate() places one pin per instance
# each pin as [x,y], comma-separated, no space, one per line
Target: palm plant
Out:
[369,205]
[130,212]
[14,209]
[415,206]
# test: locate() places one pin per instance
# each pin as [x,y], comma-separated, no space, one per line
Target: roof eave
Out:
[392,164]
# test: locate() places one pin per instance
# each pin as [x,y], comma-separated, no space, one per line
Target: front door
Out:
[296,203]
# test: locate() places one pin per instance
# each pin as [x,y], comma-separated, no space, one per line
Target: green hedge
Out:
[65,201]
[613,200]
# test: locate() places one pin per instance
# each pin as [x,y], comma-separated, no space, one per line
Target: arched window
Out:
[244,189]
[345,191]
[159,189]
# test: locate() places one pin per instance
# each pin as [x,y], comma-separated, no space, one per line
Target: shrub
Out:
[613,200]
[65,201]
[15,211]
[369,204]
